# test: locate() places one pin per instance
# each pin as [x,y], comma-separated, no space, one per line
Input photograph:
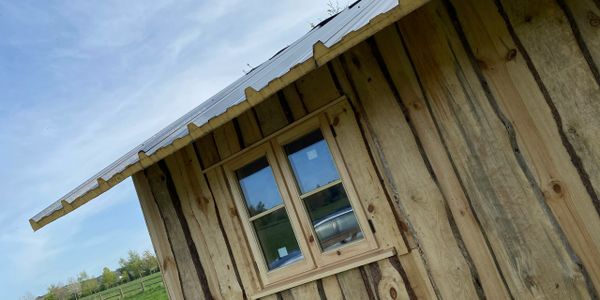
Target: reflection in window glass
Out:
[311,162]
[333,218]
[276,239]
[258,186]
[329,209]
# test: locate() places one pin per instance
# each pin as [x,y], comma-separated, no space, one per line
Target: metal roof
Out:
[350,26]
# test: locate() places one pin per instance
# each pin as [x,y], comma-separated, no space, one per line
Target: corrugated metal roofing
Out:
[329,33]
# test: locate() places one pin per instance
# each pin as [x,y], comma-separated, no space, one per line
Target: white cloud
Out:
[89,81]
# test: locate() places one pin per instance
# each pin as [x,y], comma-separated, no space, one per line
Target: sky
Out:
[83,82]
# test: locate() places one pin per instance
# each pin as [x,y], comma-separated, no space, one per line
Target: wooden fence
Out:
[125,290]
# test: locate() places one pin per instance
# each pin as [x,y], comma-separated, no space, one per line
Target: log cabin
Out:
[412,149]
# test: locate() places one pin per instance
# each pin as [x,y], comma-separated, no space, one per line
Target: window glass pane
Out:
[311,162]
[277,239]
[333,218]
[258,186]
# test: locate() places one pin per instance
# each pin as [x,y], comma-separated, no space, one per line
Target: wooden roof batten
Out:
[321,55]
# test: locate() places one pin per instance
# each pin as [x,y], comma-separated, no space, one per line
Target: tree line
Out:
[132,267]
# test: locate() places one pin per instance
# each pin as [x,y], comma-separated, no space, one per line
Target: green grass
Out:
[132,290]
[157,292]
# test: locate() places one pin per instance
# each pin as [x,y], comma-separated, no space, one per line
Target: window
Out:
[298,204]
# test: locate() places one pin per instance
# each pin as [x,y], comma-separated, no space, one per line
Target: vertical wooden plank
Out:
[158,235]
[234,231]
[249,128]
[370,192]
[352,285]
[305,291]
[573,93]
[506,202]
[227,140]
[390,285]
[416,274]
[416,195]
[190,280]
[586,15]
[294,101]
[207,150]
[271,116]
[520,98]
[397,62]
[200,212]
[317,88]
[270,297]
[332,288]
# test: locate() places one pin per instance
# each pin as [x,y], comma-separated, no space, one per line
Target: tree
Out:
[56,292]
[149,262]
[73,287]
[132,265]
[89,286]
[109,278]
[82,276]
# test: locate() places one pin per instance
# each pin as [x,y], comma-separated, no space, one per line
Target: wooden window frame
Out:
[352,249]
[268,276]
[316,264]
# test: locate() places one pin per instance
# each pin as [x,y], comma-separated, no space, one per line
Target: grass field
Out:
[132,290]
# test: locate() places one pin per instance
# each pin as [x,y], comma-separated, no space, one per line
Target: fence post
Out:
[143,287]
[121,292]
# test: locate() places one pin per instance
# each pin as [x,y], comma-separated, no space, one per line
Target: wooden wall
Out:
[474,136]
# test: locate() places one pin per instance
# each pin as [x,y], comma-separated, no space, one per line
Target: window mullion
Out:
[322,188]
[266,212]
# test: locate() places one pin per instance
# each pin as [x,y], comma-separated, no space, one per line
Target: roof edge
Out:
[321,56]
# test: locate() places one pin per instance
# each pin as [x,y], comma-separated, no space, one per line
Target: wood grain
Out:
[362,172]
[416,196]
[190,281]
[551,50]
[317,88]
[249,128]
[523,236]
[234,231]
[200,212]
[538,136]
[158,235]
[397,62]
[271,116]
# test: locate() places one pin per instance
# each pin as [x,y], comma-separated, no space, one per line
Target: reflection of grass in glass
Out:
[274,231]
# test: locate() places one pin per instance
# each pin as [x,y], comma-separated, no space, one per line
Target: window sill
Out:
[312,275]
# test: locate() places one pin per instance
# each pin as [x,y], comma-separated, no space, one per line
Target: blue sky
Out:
[82,82]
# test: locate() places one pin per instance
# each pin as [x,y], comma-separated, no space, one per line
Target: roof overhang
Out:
[329,42]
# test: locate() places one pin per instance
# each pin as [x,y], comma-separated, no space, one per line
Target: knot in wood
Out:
[338,252]
[371,208]
[416,105]
[594,19]
[393,293]
[482,64]
[336,121]
[355,61]
[511,55]
[529,281]
[557,187]
[232,212]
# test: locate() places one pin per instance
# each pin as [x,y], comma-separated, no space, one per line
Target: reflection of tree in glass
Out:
[258,208]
